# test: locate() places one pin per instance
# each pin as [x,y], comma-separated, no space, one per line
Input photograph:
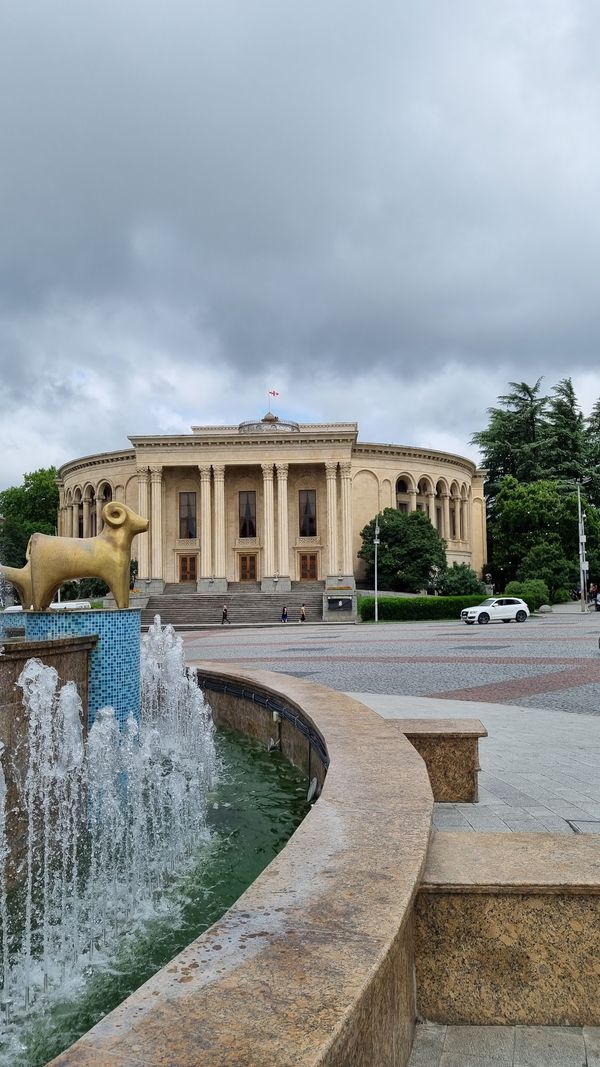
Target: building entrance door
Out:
[248,568]
[308,568]
[187,568]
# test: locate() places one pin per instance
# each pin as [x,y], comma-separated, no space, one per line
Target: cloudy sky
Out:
[383,209]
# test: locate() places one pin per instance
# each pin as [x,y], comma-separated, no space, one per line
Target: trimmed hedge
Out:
[405,609]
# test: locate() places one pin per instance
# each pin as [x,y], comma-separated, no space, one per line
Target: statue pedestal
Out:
[114,670]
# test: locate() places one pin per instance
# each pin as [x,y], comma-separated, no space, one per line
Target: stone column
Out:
[464,518]
[74,520]
[205,523]
[456,511]
[60,518]
[156,522]
[143,547]
[99,506]
[346,482]
[86,516]
[283,535]
[446,515]
[332,526]
[268,524]
[219,549]
[412,499]
[431,507]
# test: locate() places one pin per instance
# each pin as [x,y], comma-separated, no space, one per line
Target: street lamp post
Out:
[583,563]
[376,544]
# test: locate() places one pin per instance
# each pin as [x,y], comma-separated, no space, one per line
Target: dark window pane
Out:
[308,512]
[187,514]
[248,514]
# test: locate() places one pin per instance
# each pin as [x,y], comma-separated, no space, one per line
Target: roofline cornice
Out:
[243,442]
[413,452]
[98,460]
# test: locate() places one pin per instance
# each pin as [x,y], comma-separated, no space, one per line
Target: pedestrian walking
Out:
[225,617]
[302,613]
[284,616]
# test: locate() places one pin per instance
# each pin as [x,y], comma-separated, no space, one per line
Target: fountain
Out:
[106,816]
[101,814]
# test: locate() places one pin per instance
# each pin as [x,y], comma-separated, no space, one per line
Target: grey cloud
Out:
[331,186]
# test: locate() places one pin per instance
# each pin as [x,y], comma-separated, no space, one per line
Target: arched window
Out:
[402,495]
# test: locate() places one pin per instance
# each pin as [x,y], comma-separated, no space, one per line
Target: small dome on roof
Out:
[270,423]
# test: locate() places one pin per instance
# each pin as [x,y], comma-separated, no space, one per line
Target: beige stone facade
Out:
[270,501]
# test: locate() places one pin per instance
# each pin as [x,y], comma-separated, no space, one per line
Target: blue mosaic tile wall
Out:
[115,661]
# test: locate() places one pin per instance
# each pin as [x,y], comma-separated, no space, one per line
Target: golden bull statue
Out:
[54,560]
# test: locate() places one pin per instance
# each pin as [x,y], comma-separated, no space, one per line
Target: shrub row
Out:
[415,608]
[534,592]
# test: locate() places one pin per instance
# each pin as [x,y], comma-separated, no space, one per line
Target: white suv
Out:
[500,608]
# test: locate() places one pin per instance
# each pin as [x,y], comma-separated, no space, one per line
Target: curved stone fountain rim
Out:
[315,958]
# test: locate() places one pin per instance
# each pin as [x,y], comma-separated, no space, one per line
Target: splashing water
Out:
[110,823]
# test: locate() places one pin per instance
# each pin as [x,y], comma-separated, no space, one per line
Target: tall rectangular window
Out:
[187,515]
[308,512]
[248,514]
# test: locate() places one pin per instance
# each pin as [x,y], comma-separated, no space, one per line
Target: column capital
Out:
[204,472]
[267,470]
[331,469]
[282,470]
[219,471]
[142,472]
[155,474]
[346,469]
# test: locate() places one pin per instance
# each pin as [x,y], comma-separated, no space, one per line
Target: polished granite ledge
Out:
[314,964]
[508,930]
[450,748]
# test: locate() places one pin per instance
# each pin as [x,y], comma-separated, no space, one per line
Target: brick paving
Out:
[553,656]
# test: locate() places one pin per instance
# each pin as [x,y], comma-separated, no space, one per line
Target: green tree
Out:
[512,443]
[411,552]
[459,580]
[591,437]
[26,509]
[563,435]
[547,561]
[522,517]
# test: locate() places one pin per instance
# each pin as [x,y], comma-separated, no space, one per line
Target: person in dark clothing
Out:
[284,616]
[225,617]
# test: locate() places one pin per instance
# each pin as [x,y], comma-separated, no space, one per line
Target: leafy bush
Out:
[561,596]
[83,589]
[413,609]
[460,580]
[546,561]
[534,592]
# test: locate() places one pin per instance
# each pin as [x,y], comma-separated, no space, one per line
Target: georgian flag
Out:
[273,392]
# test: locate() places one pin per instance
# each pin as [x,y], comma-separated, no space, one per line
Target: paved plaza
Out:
[536,688]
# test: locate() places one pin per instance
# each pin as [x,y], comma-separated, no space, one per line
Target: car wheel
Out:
[483,618]
[521,616]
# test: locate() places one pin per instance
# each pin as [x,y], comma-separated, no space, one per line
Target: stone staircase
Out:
[245,605]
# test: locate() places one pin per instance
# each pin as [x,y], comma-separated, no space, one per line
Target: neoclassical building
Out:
[269,501]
